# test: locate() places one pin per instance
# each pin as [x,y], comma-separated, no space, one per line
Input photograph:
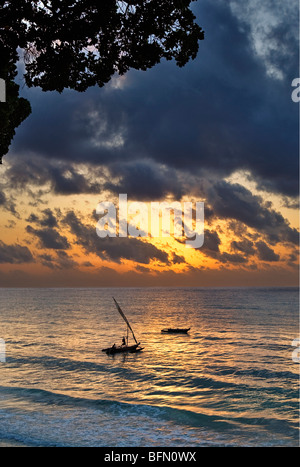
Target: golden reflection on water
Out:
[226,366]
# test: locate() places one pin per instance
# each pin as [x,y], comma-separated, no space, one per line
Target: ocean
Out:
[231,381]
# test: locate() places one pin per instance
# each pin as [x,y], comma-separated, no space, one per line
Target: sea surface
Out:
[231,381]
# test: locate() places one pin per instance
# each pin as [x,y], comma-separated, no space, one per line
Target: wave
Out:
[70,365]
[123,410]
[259,373]
[19,440]
[45,397]
[234,381]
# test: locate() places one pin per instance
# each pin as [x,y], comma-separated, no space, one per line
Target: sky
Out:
[222,130]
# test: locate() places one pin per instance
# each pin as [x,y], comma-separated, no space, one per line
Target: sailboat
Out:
[124,347]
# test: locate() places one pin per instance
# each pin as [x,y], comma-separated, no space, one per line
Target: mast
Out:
[125,319]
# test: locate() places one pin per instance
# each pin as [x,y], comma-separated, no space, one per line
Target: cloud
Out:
[211,248]
[144,180]
[245,246]
[242,250]
[69,182]
[61,261]
[219,114]
[170,133]
[177,259]
[49,238]
[8,205]
[113,249]
[265,253]
[64,261]
[15,254]
[2,199]
[48,219]
[273,31]
[60,177]
[212,241]
[233,201]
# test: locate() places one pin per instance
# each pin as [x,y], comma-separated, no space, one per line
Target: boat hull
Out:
[176,330]
[122,348]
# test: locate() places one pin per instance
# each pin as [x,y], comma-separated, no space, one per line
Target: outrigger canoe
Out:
[122,348]
[176,330]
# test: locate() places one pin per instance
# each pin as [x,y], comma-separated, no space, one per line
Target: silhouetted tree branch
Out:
[15,109]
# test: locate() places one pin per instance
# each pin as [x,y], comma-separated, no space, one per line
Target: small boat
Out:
[125,347]
[122,348]
[176,330]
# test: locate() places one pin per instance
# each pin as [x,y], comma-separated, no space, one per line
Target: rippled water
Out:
[231,381]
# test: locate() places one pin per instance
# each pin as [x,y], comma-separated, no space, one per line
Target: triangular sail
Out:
[125,319]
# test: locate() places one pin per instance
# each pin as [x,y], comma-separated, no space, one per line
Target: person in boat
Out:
[114,346]
[123,341]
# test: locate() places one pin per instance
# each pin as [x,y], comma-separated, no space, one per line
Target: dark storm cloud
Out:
[177,259]
[64,261]
[266,253]
[61,261]
[212,241]
[2,199]
[70,182]
[114,249]
[15,254]
[49,238]
[62,177]
[211,249]
[245,246]
[242,250]
[220,113]
[8,204]
[280,36]
[276,45]
[48,219]
[145,181]
[237,202]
